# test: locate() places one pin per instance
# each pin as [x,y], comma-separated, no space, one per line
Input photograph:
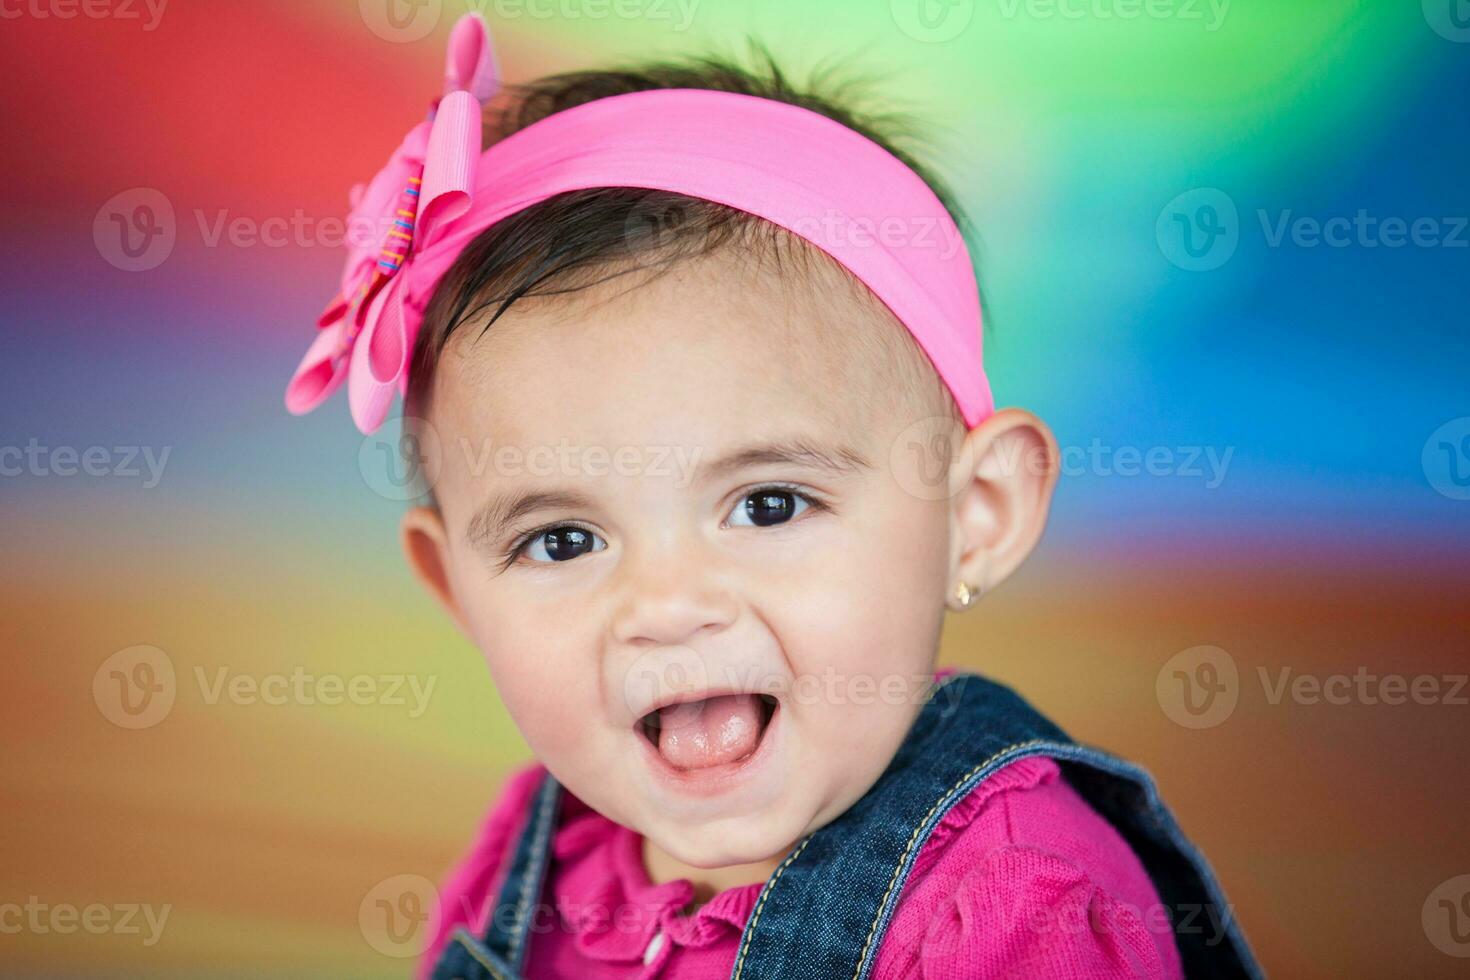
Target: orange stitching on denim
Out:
[756,916]
[913,838]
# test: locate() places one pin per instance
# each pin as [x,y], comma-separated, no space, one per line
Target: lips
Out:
[705,733]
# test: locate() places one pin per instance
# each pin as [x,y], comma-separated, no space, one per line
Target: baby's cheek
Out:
[863,639]
[859,666]
[871,613]
[550,693]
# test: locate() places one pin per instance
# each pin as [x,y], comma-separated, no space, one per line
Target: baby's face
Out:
[684,494]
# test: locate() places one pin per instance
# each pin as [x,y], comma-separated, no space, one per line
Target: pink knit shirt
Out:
[1021,879]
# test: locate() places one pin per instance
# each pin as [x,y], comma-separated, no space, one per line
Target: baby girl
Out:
[719,342]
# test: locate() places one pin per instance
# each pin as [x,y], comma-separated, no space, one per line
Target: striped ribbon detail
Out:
[400,236]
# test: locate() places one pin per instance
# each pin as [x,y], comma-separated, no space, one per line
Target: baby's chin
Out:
[763,836]
[728,843]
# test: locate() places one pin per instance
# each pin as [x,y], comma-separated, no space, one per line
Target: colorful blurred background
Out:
[1267,430]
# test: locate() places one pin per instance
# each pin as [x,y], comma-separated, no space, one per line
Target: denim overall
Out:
[823,912]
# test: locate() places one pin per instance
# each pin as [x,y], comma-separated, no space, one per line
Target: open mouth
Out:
[720,730]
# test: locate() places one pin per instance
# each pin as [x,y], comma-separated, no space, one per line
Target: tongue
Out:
[699,734]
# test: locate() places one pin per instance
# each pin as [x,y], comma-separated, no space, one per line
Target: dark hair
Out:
[573,240]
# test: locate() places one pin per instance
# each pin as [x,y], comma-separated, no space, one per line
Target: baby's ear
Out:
[1010,466]
[426,546]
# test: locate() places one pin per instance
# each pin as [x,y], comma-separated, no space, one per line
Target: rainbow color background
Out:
[1337,541]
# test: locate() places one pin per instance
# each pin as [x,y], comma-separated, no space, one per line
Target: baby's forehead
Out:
[686,352]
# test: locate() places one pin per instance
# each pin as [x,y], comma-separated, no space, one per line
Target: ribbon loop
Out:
[470,65]
[449,164]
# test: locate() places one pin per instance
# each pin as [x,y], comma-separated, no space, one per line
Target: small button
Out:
[654,945]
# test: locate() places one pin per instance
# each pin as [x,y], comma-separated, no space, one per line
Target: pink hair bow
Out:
[426,183]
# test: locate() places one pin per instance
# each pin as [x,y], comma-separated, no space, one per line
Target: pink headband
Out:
[793,167]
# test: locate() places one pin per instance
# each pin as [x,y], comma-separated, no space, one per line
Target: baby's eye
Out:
[768,506]
[561,544]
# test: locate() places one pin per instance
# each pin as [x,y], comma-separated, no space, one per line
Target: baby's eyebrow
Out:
[499,511]
[838,460]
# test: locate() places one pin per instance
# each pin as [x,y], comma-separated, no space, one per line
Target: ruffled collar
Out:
[614,911]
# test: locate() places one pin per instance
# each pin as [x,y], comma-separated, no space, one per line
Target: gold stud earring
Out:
[965,595]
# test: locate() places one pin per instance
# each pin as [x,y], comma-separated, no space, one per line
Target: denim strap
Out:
[500,954]
[824,910]
[464,958]
[507,934]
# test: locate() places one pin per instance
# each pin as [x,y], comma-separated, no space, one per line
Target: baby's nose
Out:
[669,605]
